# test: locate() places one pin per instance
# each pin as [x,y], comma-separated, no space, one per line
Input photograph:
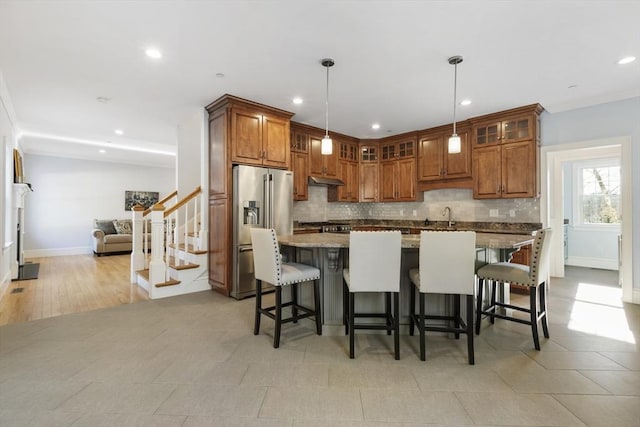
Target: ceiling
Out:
[58,57]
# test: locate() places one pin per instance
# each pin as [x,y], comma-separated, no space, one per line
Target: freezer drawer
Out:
[245,285]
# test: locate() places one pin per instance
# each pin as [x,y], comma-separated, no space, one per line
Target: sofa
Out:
[111,236]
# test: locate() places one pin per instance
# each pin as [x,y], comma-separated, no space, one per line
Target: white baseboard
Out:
[603,263]
[636,296]
[4,285]
[41,253]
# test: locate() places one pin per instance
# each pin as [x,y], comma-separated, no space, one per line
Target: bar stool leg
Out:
[316,298]
[543,308]
[352,338]
[396,324]
[278,319]
[533,299]
[456,313]
[387,309]
[412,309]
[256,327]
[294,299]
[345,307]
[470,350]
[423,351]
[493,307]
[479,305]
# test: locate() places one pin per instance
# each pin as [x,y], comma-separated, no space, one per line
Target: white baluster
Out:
[157,266]
[137,255]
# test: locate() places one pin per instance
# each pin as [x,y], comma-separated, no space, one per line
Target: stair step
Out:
[178,264]
[189,248]
[144,274]
[171,282]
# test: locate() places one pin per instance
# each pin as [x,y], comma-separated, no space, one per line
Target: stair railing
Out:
[183,221]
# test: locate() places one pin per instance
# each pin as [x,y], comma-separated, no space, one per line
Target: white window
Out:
[597,193]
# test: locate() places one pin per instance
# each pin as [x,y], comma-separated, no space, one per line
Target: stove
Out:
[336,228]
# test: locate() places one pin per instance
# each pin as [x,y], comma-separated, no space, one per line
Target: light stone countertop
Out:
[409,241]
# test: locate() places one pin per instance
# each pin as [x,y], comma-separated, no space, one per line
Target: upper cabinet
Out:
[506,154]
[435,163]
[259,138]
[322,165]
[398,178]
[300,165]
[347,172]
[369,173]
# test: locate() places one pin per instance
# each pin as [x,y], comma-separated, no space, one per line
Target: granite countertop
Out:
[335,240]
[416,226]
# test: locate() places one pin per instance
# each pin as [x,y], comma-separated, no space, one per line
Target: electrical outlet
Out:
[415,212]
[512,213]
[401,212]
[494,213]
[370,213]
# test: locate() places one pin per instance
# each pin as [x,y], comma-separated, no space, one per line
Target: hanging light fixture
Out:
[454,146]
[326,147]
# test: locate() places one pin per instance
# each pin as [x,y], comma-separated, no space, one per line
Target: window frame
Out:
[577,201]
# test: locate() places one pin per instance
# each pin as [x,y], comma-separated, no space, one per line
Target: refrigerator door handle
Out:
[266,219]
[245,249]
[271,203]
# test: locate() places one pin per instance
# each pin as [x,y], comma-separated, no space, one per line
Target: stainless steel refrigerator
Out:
[261,198]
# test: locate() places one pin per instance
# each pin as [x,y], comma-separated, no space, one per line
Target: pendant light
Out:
[455,145]
[326,146]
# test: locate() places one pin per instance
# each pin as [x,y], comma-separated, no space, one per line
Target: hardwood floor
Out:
[70,284]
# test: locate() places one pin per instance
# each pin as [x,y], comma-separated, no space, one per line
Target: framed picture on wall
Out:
[146,199]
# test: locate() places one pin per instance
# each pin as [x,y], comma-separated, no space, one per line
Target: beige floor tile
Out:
[195,421]
[627,359]
[605,411]
[596,343]
[36,395]
[312,403]
[540,380]
[624,383]
[117,397]
[126,371]
[203,370]
[573,360]
[287,375]
[129,420]
[337,423]
[410,407]
[464,378]
[516,409]
[259,349]
[32,418]
[213,399]
[371,375]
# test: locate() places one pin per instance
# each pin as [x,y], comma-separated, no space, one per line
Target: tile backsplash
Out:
[463,207]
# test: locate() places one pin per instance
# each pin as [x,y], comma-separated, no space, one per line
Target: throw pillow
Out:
[106,226]
[123,226]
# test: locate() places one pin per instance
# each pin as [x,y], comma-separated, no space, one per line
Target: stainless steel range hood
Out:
[315,180]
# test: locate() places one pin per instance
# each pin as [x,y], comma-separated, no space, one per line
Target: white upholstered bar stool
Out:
[535,276]
[374,266]
[447,266]
[269,268]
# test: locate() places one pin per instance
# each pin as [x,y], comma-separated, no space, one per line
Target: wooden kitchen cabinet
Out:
[398,176]
[369,173]
[300,165]
[435,163]
[506,154]
[349,192]
[320,164]
[259,138]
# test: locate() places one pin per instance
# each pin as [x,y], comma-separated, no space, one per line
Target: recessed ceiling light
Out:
[153,53]
[627,60]
[219,75]
[102,151]
[297,100]
[572,86]
[118,132]
[103,99]
[375,126]
[465,102]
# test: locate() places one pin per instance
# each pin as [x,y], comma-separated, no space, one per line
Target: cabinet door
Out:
[300,166]
[218,172]
[487,134]
[430,159]
[219,245]
[388,152]
[320,164]
[487,179]
[275,144]
[517,129]
[406,180]
[388,181]
[353,181]
[519,169]
[458,165]
[368,182]
[246,136]
[299,142]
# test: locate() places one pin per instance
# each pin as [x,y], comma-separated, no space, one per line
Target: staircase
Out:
[169,255]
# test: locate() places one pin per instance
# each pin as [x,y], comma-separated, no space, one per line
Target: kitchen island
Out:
[329,252]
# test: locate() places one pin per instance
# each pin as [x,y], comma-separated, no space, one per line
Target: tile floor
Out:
[193,361]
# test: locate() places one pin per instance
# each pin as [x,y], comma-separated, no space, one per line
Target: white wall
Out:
[615,119]
[190,141]
[69,193]
[7,144]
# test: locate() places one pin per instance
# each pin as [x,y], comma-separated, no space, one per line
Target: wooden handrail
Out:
[183,202]
[161,202]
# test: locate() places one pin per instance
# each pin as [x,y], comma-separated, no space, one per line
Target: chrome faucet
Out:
[444,211]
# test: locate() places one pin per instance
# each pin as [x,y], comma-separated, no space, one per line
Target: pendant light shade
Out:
[326,146]
[455,145]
